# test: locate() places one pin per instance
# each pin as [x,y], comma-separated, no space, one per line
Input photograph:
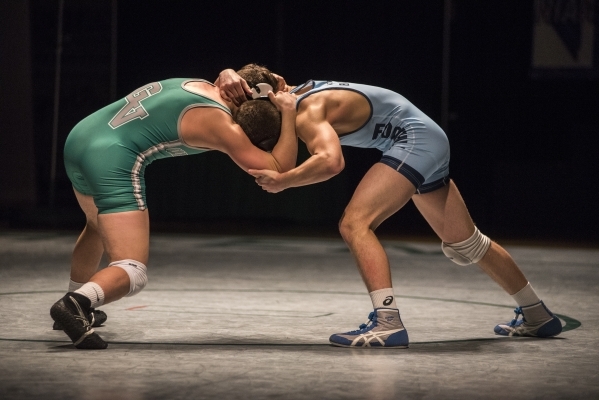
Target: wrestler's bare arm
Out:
[211,128]
[284,155]
[234,88]
[322,142]
[285,151]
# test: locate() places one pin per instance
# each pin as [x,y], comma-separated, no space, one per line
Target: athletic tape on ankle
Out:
[138,279]
[470,251]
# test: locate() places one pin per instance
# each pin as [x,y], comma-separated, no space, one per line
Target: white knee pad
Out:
[138,279]
[470,251]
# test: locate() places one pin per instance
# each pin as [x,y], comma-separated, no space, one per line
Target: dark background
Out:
[524,150]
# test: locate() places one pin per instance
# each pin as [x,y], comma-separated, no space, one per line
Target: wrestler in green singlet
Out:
[106,153]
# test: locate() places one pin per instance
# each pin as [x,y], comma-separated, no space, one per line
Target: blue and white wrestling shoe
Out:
[383,329]
[549,326]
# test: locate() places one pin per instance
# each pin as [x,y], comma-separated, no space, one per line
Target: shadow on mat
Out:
[453,345]
[437,346]
[473,345]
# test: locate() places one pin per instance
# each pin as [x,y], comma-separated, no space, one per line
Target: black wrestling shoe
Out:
[96,318]
[72,312]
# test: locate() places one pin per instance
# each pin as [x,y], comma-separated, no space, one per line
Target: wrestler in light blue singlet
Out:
[411,142]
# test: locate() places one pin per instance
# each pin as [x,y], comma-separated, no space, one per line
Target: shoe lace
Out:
[92,318]
[518,312]
[81,317]
[365,324]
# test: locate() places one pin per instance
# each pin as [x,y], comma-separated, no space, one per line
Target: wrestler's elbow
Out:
[335,163]
[282,164]
[275,166]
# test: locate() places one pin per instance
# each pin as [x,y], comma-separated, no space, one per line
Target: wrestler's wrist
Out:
[285,179]
[289,112]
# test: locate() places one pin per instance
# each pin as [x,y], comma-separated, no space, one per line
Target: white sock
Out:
[74,285]
[93,292]
[526,296]
[383,298]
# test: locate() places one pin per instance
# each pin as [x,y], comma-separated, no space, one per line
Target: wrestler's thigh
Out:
[380,194]
[445,211]
[126,235]
[86,202]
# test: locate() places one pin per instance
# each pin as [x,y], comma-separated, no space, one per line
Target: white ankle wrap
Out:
[138,279]
[470,251]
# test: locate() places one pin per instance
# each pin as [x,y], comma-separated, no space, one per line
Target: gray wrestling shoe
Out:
[549,326]
[72,313]
[383,329]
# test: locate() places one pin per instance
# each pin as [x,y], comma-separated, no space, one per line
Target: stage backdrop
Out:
[523,146]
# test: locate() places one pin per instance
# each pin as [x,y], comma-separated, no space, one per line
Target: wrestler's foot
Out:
[71,312]
[96,318]
[383,329]
[546,324]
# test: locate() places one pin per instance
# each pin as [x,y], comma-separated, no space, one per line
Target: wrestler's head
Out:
[255,74]
[259,119]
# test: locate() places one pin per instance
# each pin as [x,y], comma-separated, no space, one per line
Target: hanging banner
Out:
[565,41]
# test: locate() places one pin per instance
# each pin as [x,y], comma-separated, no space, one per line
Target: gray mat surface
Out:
[249,317]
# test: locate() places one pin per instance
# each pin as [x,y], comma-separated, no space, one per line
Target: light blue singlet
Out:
[411,142]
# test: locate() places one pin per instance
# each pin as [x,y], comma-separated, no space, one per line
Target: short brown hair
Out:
[261,122]
[259,119]
[255,74]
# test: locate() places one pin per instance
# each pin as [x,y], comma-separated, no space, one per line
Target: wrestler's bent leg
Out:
[125,237]
[86,256]
[446,212]
[381,193]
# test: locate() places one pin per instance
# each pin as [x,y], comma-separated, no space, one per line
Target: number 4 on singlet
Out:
[134,109]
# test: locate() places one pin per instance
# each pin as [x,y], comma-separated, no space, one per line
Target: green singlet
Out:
[105,154]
